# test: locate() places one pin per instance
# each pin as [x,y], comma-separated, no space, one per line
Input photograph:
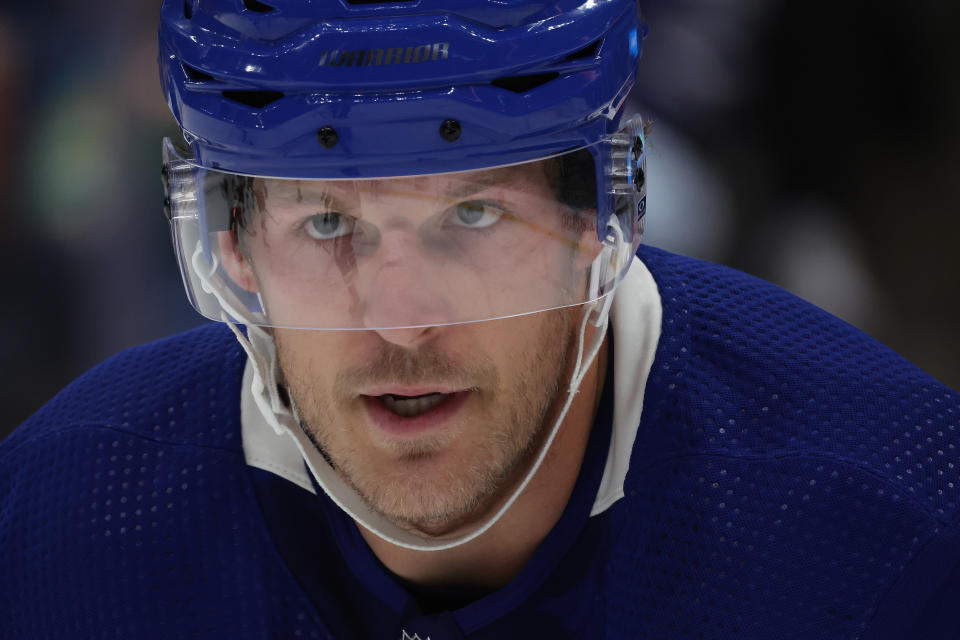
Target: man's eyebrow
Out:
[335,196]
[479,182]
[301,194]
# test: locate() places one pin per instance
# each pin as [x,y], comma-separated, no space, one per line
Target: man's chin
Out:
[434,523]
[430,508]
[438,495]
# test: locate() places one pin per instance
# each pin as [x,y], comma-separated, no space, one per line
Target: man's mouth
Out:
[415,411]
[412,406]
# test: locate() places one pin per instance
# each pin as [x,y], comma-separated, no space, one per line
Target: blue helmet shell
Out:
[397,88]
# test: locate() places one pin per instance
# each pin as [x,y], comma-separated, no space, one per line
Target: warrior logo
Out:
[407,636]
[378,57]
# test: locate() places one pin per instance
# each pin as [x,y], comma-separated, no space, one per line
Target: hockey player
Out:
[448,393]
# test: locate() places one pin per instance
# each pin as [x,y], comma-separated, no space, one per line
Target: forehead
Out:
[528,177]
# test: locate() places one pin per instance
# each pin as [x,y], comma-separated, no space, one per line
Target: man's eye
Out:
[326,226]
[475,214]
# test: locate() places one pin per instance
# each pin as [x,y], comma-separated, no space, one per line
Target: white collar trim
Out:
[636,317]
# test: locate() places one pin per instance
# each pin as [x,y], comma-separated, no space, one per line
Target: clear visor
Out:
[397,252]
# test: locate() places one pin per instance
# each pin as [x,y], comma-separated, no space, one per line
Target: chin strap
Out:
[261,351]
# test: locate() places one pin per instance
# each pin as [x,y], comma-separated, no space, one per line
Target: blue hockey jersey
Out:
[789,478]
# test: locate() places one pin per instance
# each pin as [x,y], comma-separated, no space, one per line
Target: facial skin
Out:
[411,251]
[503,377]
[511,371]
[449,483]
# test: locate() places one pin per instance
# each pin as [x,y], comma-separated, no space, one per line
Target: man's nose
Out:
[408,338]
[405,298]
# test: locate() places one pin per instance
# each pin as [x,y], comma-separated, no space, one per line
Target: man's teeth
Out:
[409,407]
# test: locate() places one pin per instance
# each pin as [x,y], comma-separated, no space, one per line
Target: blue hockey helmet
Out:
[317,127]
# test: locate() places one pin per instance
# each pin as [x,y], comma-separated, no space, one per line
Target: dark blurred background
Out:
[811,143]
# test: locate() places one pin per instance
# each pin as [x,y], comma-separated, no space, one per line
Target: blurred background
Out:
[811,143]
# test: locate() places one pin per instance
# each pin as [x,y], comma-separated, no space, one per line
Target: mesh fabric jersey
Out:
[790,478]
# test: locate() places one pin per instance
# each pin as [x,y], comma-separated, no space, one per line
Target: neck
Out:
[493,559]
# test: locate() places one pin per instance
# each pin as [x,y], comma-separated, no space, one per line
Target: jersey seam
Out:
[881,598]
[34,439]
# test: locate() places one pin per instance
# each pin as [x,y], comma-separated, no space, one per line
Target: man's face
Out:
[429,423]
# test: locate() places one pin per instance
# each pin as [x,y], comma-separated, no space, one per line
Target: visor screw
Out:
[639,178]
[637,149]
[328,137]
[450,130]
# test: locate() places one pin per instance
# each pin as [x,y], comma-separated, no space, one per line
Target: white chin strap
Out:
[262,354]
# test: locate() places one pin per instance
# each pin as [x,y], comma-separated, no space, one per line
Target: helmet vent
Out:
[196,75]
[376,1]
[588,51]
[523,84]
[187,9]
[258,7]
[255,99]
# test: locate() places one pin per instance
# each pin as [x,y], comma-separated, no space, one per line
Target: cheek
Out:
[531,351]
[308,361]
[302,285]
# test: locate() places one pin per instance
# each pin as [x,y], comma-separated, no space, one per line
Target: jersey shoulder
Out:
[126,508]
[761,370]
[745,368]
[780,452]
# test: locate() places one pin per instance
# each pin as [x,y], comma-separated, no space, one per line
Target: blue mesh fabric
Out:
[787,471]
[791,479]
[123,510]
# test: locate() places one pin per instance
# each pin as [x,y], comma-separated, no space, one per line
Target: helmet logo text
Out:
[378,57]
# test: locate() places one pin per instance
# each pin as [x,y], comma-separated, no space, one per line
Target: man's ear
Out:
[589,246]
[235,262]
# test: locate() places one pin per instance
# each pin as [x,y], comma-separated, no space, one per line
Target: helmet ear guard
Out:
[622,173]
[625,177]
[187,198]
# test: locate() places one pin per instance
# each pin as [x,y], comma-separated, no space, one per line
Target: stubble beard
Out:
[427,489]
